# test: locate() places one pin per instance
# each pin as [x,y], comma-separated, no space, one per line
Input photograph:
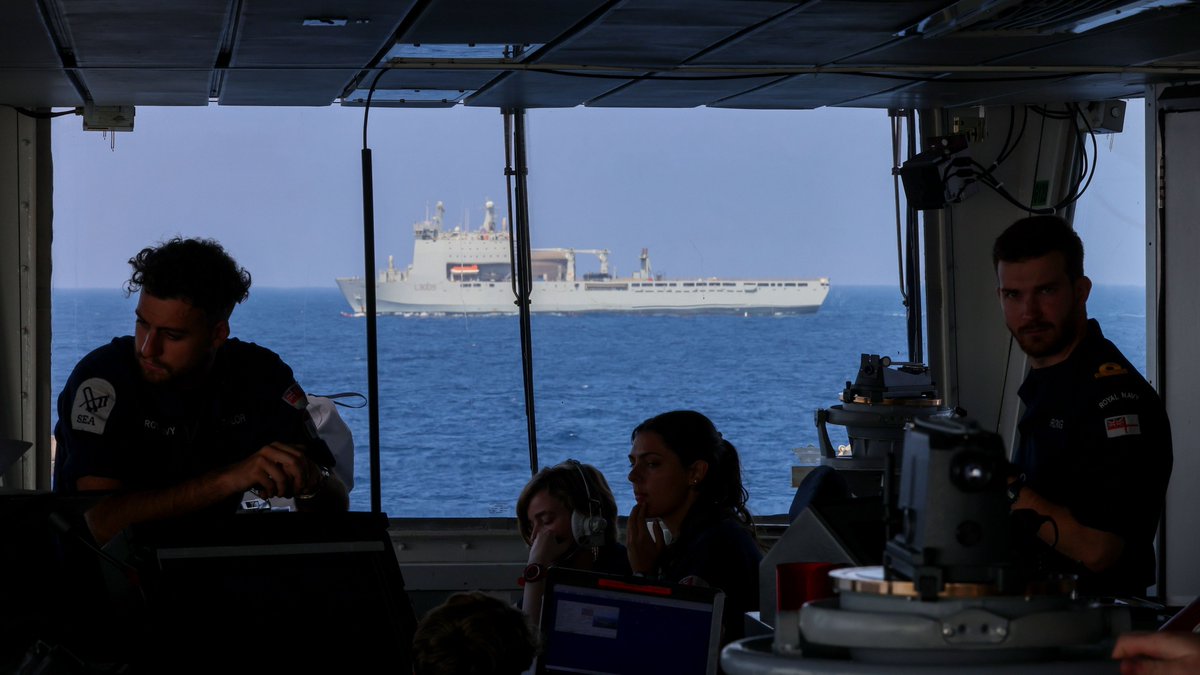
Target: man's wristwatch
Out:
[1014,489]
[320,484]
[534,572]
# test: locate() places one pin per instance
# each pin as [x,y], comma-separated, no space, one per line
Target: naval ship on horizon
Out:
[463,271]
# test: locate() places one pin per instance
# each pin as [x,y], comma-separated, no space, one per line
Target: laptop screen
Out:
[595,623]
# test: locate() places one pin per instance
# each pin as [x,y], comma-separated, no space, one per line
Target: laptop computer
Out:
[601,624]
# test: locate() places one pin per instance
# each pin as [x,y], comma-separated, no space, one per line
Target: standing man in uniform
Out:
[1095,443]
[180,418]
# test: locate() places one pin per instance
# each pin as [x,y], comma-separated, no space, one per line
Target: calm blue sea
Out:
[452,416]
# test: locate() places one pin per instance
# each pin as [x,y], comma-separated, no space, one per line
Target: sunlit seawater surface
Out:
[452,412]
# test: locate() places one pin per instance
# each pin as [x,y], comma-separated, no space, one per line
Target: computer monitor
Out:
[596,623]
[279,589]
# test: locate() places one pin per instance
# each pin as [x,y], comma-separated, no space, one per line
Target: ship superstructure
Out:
[464,271]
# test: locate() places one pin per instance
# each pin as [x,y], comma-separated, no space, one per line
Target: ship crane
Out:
[600,253]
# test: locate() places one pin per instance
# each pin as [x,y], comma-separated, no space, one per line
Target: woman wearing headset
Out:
[690,524]
[568,517]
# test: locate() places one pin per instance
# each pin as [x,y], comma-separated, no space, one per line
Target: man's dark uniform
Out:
[1096,440]
[112,423]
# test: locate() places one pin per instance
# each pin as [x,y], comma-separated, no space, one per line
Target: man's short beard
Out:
[1065,337]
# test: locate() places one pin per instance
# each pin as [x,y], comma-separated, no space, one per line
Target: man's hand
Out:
[1154,653]
[1096,549]
[276,470]
[643,550]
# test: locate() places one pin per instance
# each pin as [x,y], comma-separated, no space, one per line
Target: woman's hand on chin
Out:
[643,549]
[548,548]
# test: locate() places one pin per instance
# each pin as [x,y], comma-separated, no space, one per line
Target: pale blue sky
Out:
[710,192]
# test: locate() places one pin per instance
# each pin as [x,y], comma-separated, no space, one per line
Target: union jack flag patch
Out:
[1122,425]
[294,396]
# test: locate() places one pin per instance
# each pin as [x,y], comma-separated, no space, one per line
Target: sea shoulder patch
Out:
[94,401]
[1122,425]
[1110,369]
[294,396]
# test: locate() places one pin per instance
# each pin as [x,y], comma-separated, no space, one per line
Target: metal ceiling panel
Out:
[276,56]
[139,86]
[954,92]
[811,91]
[147,33]
[680,93]
[293,87]
[508,22]
[27,42]
[160,52]
[400,78]
[822,32]
[37,88]
[271,33]
[30,67]
[953,49]
[646,33]
[529,89]
[1079,88]
[1142,40]
[947,93]
[1135,41]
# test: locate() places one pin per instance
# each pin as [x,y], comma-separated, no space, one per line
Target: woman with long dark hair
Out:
[690,523]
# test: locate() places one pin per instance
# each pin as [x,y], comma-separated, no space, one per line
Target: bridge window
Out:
[450,383]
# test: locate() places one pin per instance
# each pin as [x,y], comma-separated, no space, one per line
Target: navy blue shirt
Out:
[1095,439]
[112,423]
[719,550]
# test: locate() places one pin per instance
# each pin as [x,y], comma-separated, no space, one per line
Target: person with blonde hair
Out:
[568,517]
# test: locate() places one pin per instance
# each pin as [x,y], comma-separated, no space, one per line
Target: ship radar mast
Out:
[489,218]
[431,226]
[646,273]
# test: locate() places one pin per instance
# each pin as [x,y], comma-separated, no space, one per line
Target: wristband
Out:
[534,572]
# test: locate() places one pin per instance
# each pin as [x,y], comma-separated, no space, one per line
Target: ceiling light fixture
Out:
[460,52]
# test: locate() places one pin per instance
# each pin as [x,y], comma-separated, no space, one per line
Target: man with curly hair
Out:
[180,418]
[473,634]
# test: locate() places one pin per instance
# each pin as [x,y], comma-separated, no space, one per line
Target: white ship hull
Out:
[665,297]
[468,272]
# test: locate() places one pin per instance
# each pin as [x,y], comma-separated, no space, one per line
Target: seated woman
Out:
[690,523]
[568,517]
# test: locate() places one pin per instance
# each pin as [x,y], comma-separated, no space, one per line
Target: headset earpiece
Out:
[588,529]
